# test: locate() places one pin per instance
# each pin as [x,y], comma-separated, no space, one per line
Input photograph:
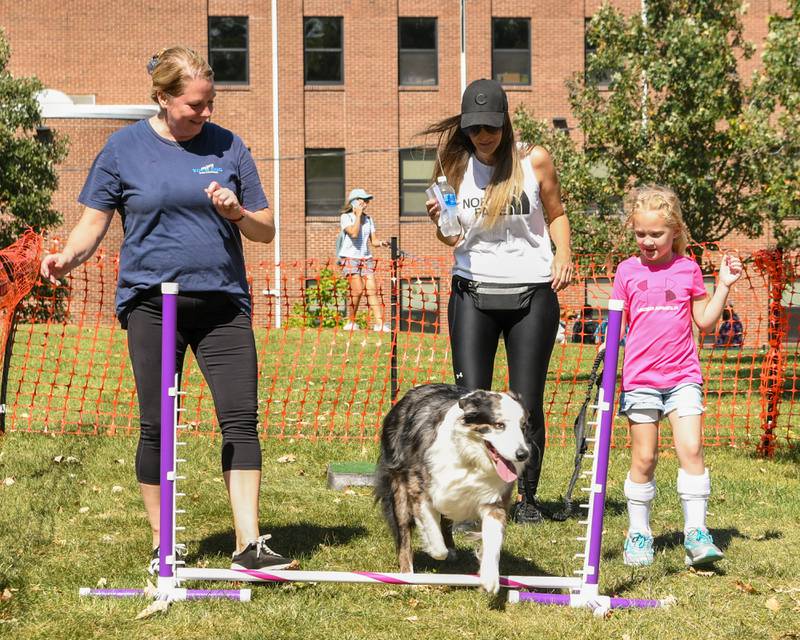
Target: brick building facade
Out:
[96,50]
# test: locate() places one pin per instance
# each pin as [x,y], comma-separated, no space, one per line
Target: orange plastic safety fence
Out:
[325,373]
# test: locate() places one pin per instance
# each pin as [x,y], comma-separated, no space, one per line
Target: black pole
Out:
[395,312]
[7,352]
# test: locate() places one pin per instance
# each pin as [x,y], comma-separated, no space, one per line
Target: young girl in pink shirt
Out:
[663,292]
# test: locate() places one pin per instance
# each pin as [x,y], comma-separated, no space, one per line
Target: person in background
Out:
[187,191]
[731,332]
[356,258]
[584,328]
[505,274]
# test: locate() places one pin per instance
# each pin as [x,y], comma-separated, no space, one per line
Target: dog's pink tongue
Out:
[505,469]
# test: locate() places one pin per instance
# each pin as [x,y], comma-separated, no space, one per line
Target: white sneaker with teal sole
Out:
[700,548]
[638,549]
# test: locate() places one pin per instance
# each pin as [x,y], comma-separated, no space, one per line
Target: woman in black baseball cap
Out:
[505,273]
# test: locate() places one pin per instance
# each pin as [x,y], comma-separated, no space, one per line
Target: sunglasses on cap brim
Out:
[475,129]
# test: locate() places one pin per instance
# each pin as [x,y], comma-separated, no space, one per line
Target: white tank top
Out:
[516,248]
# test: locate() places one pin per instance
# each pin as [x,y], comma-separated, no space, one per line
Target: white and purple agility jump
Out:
[583,588]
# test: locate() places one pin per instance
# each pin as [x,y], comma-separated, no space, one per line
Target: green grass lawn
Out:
[73,523]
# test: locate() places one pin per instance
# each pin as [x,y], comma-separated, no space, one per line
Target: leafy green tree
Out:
[676,111]
[591,202]
[775,110]
[27,165]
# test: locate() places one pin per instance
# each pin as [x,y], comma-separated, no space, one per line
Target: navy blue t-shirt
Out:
[172,231]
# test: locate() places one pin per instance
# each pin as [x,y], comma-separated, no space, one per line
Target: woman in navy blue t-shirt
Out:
[187,190]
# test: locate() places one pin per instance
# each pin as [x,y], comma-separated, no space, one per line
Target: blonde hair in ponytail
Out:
[172,68]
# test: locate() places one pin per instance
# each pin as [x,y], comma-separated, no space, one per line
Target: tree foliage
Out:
[676,111]
[27,165]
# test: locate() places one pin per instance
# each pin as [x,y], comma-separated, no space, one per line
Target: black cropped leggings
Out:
[221,337]
[529,335]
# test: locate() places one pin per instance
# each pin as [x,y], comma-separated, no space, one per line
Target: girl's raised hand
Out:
[730,270]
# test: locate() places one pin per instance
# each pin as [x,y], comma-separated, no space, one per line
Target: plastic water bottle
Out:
[448,216]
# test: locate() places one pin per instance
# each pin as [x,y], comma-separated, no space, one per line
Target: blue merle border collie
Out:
[450,455]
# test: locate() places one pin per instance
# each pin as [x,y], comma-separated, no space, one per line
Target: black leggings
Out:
[221,337]
[529,335]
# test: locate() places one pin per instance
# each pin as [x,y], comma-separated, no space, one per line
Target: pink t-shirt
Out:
[660,351]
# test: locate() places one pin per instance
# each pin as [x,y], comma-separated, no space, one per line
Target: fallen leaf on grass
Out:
[705,574]
[6,595]
[159,606]
[83,510]
[773,605]
[413,603]
[287,458]
[101,583]
[412,618]
[745,586]
[349,492]
[116,489]
[626,636]
[9,481]
[389,594]
[120,461]
[58,459]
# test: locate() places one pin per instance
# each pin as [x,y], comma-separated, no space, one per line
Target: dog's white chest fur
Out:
[462,477]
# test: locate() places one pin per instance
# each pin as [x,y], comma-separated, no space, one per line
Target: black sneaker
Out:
[524,512]
[152,568]
[257,555]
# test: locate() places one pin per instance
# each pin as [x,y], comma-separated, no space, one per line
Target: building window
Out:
[324,181]
[417,57]
[419,305]
[227,49]
[511,50]
[416,168]
[323,50]
[599,78]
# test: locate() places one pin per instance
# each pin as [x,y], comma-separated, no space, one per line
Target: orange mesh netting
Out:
[70,370]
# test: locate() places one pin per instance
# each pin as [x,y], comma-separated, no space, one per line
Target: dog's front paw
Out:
[490,580]
[439,553]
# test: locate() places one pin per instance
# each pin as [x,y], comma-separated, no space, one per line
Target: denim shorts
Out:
[357,266]
[650,405]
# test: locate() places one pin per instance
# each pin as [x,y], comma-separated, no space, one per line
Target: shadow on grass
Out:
[552,507]
[296,540]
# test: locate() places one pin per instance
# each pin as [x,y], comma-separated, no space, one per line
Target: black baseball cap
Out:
[484,102]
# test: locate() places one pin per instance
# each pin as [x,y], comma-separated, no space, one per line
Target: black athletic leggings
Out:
[529,335]
[221,337]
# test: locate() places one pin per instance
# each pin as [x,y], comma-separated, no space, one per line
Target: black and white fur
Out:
[439,449]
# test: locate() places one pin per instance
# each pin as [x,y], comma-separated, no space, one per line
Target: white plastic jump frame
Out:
[582,587]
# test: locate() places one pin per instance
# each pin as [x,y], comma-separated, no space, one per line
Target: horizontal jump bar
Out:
[450,579]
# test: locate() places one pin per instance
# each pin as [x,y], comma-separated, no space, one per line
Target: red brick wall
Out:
[101,47]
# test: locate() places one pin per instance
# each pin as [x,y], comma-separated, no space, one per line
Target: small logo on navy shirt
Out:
[209,168]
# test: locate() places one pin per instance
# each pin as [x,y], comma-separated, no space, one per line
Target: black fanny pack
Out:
[494,296]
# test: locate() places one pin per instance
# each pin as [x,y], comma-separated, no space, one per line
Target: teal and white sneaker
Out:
[638,550]
[700,548]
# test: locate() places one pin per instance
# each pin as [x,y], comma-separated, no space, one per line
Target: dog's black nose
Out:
[522,454]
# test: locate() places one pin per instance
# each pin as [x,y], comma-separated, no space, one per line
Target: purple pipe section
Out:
[564,600]
[169,327]
[603,444]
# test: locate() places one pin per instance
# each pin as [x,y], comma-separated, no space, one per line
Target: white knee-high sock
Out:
[693,492]
[640,495]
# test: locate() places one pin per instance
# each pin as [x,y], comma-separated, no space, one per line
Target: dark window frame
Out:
[528,58]
[401,50]
[412,182]
[245,49]
[604,82]
[340,50]
[322,152]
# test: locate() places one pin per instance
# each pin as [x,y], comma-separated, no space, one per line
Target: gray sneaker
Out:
[700,548]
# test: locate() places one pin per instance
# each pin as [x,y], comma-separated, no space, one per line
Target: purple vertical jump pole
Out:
[602,447]
[169,329]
